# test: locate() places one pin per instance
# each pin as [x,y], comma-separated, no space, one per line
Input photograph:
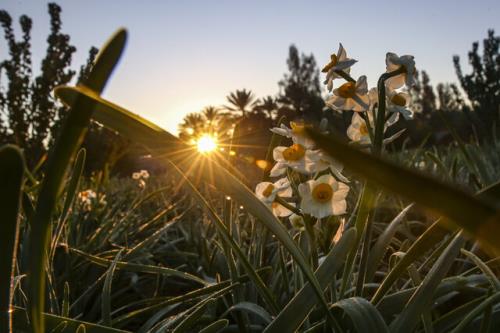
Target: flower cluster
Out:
[310,182]
[354,95]
[141,177]
[323,191]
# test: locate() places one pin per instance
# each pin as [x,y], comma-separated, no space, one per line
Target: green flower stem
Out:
[380,119]
[311,240]
[366,203]
[288,206]
[345,76]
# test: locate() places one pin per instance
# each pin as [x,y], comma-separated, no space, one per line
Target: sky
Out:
[184,55]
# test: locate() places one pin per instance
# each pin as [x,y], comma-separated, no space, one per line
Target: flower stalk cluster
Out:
[319,188]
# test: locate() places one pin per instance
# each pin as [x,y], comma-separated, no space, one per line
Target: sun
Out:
[206,144]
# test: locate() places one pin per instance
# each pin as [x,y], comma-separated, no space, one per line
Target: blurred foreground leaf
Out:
[478,218]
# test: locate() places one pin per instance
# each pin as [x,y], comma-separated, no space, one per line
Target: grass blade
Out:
[356,314]
[297,309]
[379,249]
[422,298]
[216,326]
[11,179]
[61,155]
[53,322]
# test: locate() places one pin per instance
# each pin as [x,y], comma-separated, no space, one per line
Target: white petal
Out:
[339,207]
[341,192]
[361,85]
[277,170]
[278,153]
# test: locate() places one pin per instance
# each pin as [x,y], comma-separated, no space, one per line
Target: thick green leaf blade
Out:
[356,314]
[131,267]
[58,324]
[215,326]
[478,218]
[423,296]
[250,308]
[428,239]
[60,157]
[379,249]
[296,311]
[11,178]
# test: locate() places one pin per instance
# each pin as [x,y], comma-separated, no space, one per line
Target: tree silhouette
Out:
[30,116]
[268,105]
[241,101]
[300,89]
[209,121]
[482,86]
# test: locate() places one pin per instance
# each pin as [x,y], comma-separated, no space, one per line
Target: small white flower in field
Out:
[324,161]
[340,231]
[393,62]
[323,197]
[267,192]
[144,174]
[358,130]
[296,157]
[338,62]
[87,196]
[136,175]
[297,132]
[297,221]
[141,183]
[398,102]
[351,96]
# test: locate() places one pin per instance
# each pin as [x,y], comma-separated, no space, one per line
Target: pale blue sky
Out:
[184,55]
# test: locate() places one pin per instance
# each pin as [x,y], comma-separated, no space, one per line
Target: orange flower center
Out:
[363,129]
[294,153]
[297,128]
[333,61]
[398,100]
[322,193]
[347,90]
[268,190]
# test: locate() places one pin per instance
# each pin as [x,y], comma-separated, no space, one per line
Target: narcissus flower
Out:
[324,161]
[296,157]
[323,197]
[267,192]
[358,130]
[338,62]
[398,102]
[393,62]
[297,133]
[351,96]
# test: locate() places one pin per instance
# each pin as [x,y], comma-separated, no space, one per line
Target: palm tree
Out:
[240,101]
[210,121]
[268,105]
[192,125]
